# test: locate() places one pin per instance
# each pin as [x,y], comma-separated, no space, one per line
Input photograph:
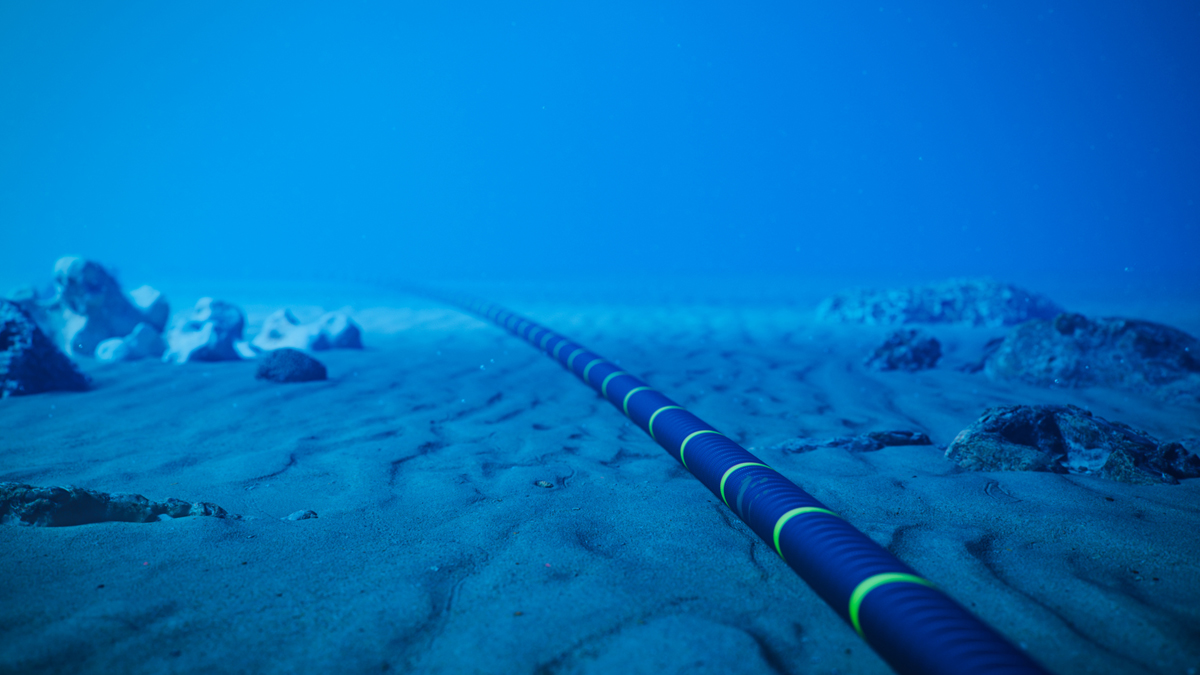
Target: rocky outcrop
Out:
[87,307]
[906,349]
[290,365]
[868,442]
[30,362]
[1074,351]
[212,331]
[95,309]
[144,342]
[334,330]
[1068,439]
[972,302]
[64,506]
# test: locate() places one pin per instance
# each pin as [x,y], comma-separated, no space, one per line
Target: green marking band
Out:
[588,368]
[683,445]
[730,471]
[650,424]
[604,385]
[545,338]
[625,405]
[791,514]
[871,583]
[558,347]
[571,359]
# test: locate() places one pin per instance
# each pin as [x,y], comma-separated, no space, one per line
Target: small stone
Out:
[290,365]
[868,442]
[302,515]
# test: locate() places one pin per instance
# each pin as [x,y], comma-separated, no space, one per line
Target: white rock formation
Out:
[210,332]
[335,330]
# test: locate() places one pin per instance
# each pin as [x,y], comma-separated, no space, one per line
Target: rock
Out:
[153,305]
[95,309]
[334,330]
[973,302]
[143,342]
[64,506]
[868,442]
[210,332]
[1068,439]
[301,515]
[338,331]
[906,349]
[29,361]
[1074,351]
[290,365]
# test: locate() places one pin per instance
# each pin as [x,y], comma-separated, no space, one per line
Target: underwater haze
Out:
[468,139]
[901,301]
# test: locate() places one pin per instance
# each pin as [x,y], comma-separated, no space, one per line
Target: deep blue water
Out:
[451,139]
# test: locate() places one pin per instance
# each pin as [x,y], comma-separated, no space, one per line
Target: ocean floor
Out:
[437,551]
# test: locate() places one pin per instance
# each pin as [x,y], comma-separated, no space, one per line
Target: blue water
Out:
[463,140]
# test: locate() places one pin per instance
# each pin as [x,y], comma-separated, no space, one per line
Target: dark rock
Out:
[973,302]
[290,365]
[29,361]
[63,506]
[1074,351]
[868,442]
[212,331]
[1068,439]
[906,349]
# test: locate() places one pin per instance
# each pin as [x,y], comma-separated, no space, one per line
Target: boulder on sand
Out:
[95,309]
[290,365]
[334,330]
[211,331]
[30,362]
[1074,351]
[906,349]
[972,302]
[1068,439]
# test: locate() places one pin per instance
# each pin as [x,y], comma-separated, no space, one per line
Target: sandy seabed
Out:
[436,551]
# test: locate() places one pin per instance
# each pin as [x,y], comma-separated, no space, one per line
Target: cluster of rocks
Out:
[88,309]
[1045,346]
[1068,439]
[971,302]
[87,314]
[65,506]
